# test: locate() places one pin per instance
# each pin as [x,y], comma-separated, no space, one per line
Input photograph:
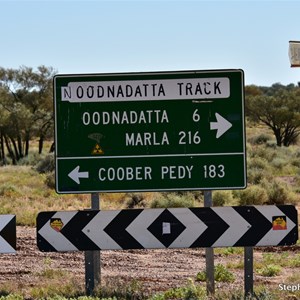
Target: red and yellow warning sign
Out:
[279,223]
[56,224]
[97,150]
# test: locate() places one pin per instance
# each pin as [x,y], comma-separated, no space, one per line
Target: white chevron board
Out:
[8,234]
[237,226]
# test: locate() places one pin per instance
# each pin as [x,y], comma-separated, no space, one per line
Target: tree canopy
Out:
[25,109]
[278,107]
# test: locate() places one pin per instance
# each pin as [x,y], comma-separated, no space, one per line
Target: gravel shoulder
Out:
[154,270]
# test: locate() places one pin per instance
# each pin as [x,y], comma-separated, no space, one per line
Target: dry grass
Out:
[24,193]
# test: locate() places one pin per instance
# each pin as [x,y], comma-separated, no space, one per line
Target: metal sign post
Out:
[248,271]
[209,253]
[92,258]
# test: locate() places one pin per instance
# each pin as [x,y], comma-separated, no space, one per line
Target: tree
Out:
[278,108]
[26,98]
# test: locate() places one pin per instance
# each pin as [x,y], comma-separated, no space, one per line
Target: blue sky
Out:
[135,36]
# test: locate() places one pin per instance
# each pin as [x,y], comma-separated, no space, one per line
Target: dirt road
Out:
[154,270]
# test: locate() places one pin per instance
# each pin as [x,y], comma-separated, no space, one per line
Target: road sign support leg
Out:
[209,253]
[248,271]
[92,258]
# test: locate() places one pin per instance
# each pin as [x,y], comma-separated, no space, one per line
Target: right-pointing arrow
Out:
[222,125]
[194,227]
[75,175]
[216,227]
[238,226]
[260,225]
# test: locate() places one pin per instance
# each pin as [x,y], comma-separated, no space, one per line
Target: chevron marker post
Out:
[239,226]
[8,234]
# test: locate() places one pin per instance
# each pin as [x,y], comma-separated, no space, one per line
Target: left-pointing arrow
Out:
[76,175]
[8,234]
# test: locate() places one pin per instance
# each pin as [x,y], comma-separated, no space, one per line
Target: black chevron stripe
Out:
[216,226]
[116,229]
[9,234]
[291,238]
[44,245]
[260,225]
[73,230]
[291,212]
[42,219]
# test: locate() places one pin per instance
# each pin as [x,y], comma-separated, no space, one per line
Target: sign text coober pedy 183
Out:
[150,131]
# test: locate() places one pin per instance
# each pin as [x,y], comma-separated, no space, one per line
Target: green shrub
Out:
[294,262]
[135,200]
[9,190]
[46,165]
[255,175]
[262,152]
[279,163]
[172,200]
[271,144]
[230,250]
[11,297]
[269,270]
[221,197]
[253,195]
[258,163]
[32,159]
[295,162]
[221,274]
[260,139]
[50,180]
[188,292]
[118,289]
[278,193]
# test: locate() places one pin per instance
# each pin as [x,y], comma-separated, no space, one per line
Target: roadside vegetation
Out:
[273,178]
[27,186]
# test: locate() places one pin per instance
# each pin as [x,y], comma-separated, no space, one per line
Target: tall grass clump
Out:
[9,190]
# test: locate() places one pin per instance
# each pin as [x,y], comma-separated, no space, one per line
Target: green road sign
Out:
[150,131]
